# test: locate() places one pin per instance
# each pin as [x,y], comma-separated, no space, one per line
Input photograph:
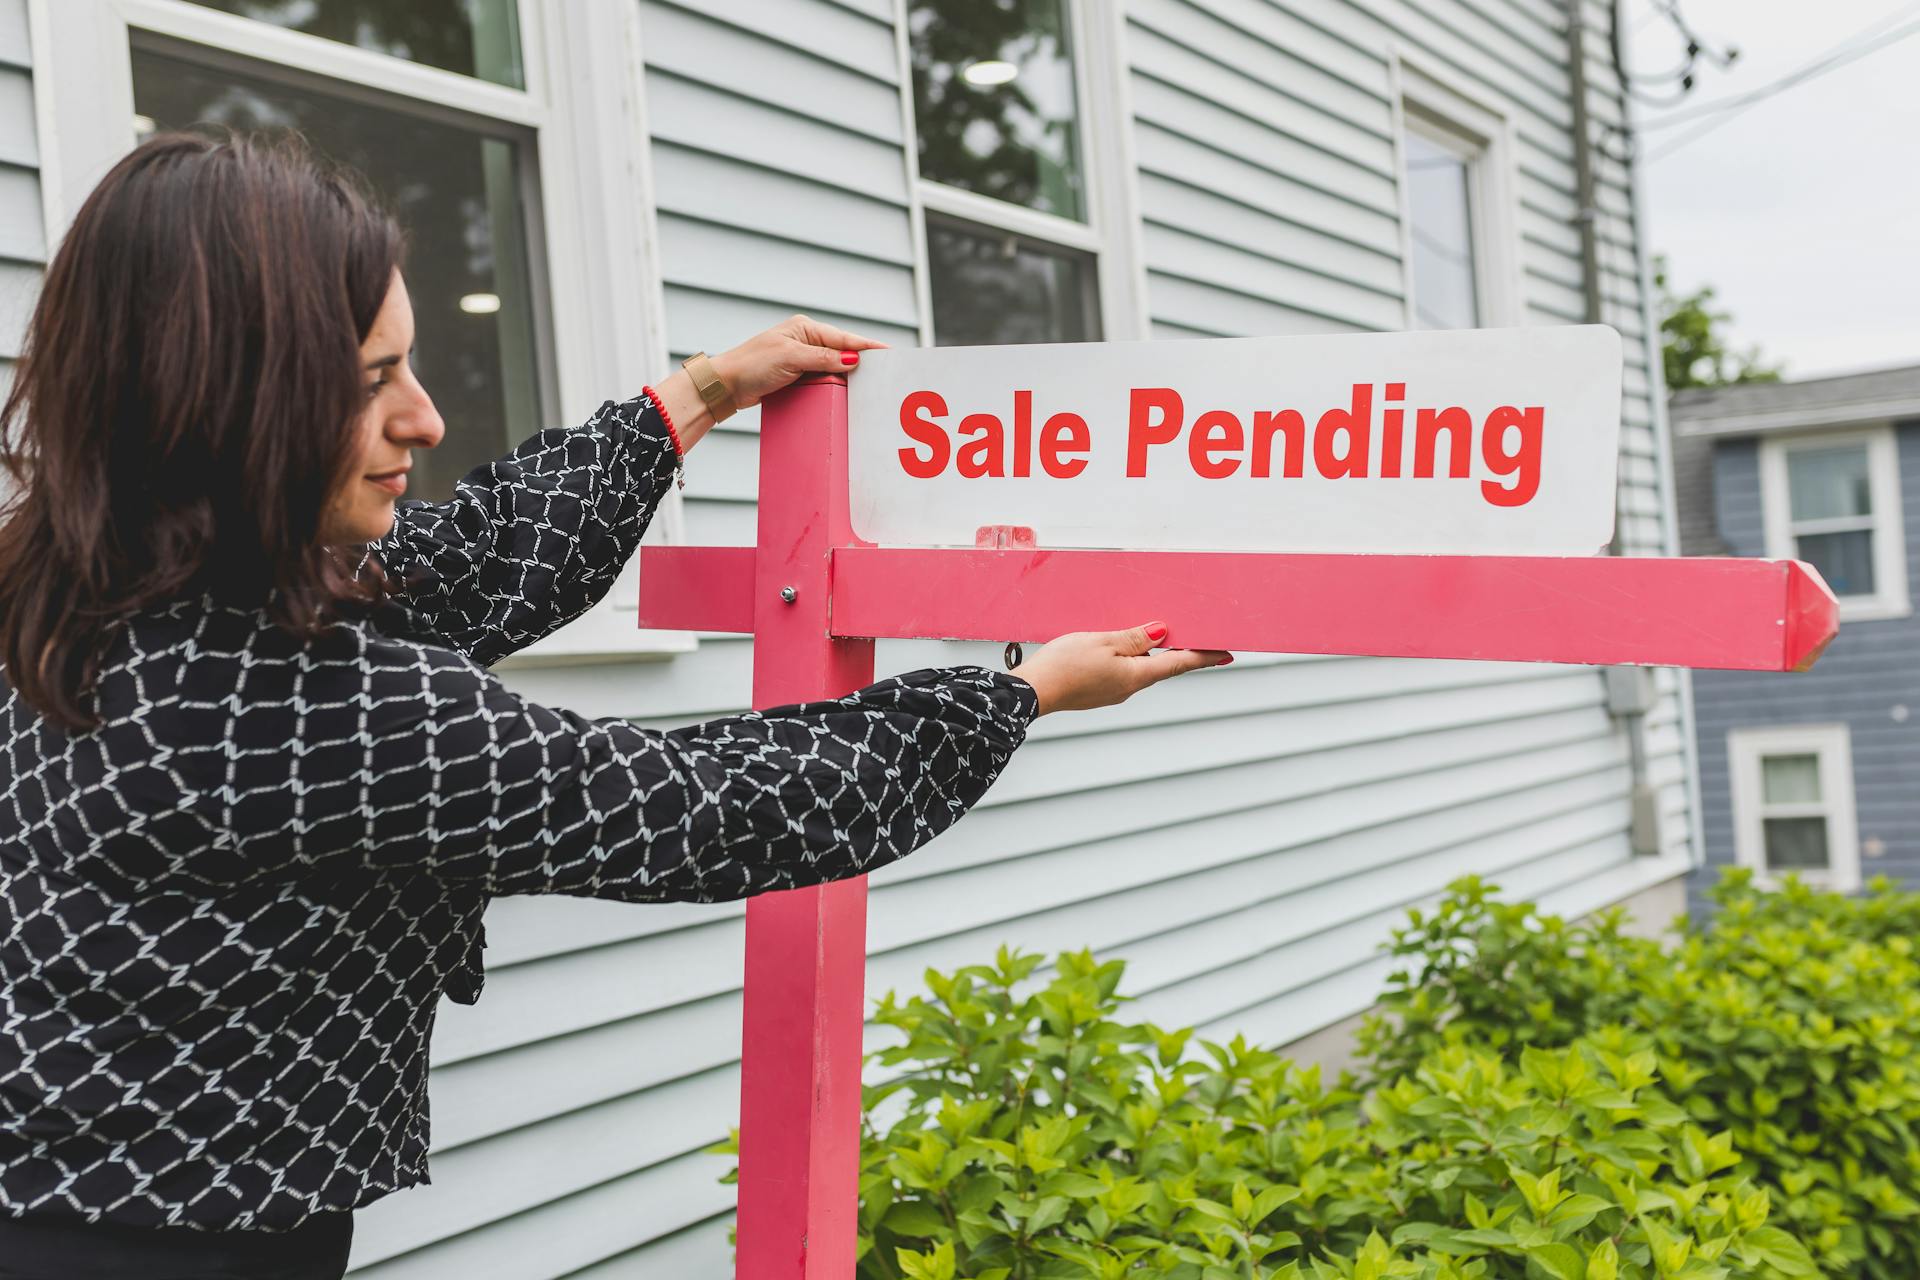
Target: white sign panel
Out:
[1473,441]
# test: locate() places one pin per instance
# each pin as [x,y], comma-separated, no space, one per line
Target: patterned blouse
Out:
[228,914]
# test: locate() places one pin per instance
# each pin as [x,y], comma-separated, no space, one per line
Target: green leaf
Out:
[1051,1210]
[1576,1211]
[916,1218]
[1071,1184]
[1779,1250]
[1272,1198]
[1214,1209]
[1561,1261]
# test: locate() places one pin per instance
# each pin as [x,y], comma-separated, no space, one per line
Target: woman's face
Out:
[399,416]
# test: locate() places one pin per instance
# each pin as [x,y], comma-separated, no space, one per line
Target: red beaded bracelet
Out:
[665,417]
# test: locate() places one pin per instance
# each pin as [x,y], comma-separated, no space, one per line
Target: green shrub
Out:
[1029,1134]
[1789,1020]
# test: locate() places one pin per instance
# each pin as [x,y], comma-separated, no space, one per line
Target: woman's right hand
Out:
[1088,669]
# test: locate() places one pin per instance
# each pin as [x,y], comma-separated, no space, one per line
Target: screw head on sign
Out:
[789,595]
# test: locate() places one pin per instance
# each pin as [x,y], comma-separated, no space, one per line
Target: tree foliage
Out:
[1694,345]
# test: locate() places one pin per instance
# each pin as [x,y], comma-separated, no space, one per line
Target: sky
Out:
[1803,211]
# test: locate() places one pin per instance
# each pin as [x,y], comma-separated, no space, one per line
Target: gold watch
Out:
[711,386]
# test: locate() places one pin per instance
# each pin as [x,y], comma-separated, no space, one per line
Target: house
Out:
[599,187]
[1818,775]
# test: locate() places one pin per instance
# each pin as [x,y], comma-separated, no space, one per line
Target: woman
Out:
[259,786]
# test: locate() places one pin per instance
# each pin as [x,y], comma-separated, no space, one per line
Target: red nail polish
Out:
[849,357]
[1157,633]
[1224,661]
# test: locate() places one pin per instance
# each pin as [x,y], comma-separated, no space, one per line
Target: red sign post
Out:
[815,599]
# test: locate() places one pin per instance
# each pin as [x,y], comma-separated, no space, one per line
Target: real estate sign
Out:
[1483,441]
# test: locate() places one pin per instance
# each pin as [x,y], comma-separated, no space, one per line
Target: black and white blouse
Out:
[227,915]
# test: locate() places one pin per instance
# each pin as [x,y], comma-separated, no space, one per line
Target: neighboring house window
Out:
[1793,810]
[1456,208]
[1020,152]
[1833,500]
[502,134]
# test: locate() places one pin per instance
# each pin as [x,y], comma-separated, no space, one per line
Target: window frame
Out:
[599,307]
[1832,746]
[1111,235]
[1483,135]
[1890,598]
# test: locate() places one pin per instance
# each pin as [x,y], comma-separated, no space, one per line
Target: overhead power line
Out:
[1681,77]
[1857,46]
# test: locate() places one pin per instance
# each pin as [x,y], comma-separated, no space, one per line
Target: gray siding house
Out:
[598,187]
[1815,774]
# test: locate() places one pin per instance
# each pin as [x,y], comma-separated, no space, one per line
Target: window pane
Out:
[473,37]
[1444,293]
[990,287]
[457,193]
[1845,560]
[1824,483]
[993,101]
[1790,779]
[1796,843]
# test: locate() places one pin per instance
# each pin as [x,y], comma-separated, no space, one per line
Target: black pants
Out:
[65,1249]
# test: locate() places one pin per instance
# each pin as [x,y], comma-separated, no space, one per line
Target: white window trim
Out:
[1111,235]
[1832,745]
[1890,598]
[1483,134]
[584,98]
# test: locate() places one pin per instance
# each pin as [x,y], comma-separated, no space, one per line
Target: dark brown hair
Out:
[184,405]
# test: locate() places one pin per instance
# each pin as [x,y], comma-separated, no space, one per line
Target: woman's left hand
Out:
[768,361]
[760,366]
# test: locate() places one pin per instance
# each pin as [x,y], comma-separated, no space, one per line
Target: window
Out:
[472,37]
[1021,158]
[503,134]
[1446,293]
[1833,500]
[1793,808]
[1456,215]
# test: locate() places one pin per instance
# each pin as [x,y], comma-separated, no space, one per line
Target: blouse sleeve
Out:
[414,759]
[531,541]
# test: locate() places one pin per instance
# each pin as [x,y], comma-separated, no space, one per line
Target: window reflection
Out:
[1830,501]
[457,193]
[472,37]
[1827,483]
[1440,209]
[1845,560]
[993,99]
[1796,844]
[993,287]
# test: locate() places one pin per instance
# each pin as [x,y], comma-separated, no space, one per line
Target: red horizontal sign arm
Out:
[696,588]
[1764,615]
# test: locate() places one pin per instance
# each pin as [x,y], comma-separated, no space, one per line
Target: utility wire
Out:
[1849,50]
[1806,71]
[1681,77]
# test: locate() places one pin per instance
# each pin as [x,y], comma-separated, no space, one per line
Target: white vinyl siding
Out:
[23,239]
[1244,840]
